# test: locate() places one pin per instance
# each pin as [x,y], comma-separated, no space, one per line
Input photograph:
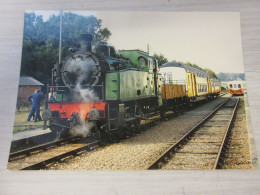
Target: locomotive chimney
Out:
[86,42]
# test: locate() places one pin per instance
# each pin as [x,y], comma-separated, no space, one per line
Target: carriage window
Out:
[142,62]
[239,85]
[170,77]
[154,64]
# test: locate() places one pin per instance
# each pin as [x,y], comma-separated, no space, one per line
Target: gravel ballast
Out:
[238,152]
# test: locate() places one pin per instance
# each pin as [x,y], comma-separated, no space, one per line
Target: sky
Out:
[208,39]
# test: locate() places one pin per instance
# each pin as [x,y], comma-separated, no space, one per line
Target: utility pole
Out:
[148,48]
[60,36]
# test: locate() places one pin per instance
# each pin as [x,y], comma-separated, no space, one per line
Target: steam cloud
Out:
[83,70]
[84,94]
[82,129]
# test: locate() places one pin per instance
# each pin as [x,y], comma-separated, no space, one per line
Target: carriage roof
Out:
[186,67]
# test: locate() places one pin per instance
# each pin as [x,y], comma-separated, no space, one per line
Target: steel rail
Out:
[219,160]
[175,146]
[43,164]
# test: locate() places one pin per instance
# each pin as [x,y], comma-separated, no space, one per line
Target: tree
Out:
[161,59]
[231,76]
[41,41]
[210,72]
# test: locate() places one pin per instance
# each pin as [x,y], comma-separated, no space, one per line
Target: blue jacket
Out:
[36,99]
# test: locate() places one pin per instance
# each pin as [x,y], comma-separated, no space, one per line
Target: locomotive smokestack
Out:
[86,42]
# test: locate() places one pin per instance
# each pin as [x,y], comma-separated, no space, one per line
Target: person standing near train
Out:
[36,99]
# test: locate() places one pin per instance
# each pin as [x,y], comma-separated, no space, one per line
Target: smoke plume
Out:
[84,94]
[82,129]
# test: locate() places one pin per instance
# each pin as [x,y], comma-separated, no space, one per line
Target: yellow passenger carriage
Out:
[183,83]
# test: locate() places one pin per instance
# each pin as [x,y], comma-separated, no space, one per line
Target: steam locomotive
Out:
[96,85]
[111,92]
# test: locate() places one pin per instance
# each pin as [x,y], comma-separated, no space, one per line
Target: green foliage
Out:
[210,72]
[41,41]
[161,59]
[194,65]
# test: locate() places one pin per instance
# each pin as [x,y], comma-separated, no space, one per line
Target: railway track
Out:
[203,146]
[39,158]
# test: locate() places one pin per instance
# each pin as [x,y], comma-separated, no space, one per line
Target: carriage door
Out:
[209,85]
[194,85]
[190,84]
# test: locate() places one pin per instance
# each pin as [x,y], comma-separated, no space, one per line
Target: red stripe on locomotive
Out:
[67,108]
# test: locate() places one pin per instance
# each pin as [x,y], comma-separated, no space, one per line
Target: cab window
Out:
[142,62]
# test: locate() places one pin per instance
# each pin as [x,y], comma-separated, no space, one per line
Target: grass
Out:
[242,105]
[21,119]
